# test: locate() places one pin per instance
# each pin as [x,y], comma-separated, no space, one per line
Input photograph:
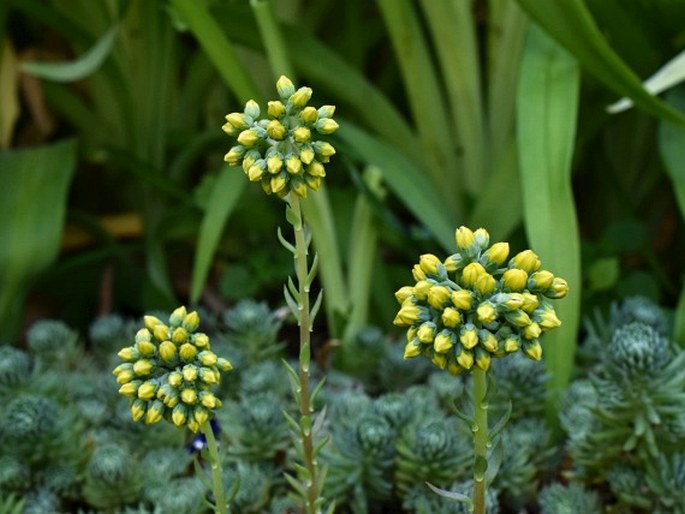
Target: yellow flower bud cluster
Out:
[282,151]
[169,372]
[477,304]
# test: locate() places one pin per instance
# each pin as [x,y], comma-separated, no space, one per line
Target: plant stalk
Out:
[480,440]
[306,409]
[215,465]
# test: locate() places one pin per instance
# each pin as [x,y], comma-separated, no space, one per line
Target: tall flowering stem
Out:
[285,155]
[469,308]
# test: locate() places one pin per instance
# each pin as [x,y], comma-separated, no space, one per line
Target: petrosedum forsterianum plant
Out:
[168,374]
[470,308]
[281,151]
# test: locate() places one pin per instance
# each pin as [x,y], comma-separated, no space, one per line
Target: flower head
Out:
[169,371]
[282,151]
[476,306]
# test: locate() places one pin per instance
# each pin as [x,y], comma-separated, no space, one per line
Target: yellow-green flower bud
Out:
[224,365]
[179,415]
[256,172]
[530,302]
[154,412]
[193,425]
[486,312]
[309,115]
[285,87]
[483,360]
[453,262]
[485,284]
[209,400]
[526,260]
[307,156]
[531,331]
[209,376]
[293,165]
[429,263]
[462,299]
[301,96]
[248,138]
[411,333]
[468,337]
[465,238]
[450,317]
[187,352]
[179,336]
[143,367]
[513,301]
[234,155]
[189,396]
[403,293]
[130,389]
[274,163]
[128,354]
[200,340]
[230,130]
[324,148]
[143,335]
[250,159]
[151,322]
[161,332]
[278,182]
[275,130]
[437,296]
[533,349]
[326,111]
[138,408]
[488,340]
[313,183]
[439,360]
[514,279]
[558,289]
[298,187]
[418,273]
[237,120]
[512,344]
[275,109]
[497,254]
[207,358]
[407,315]
[519,318]
[443,342]
[252,109]
[540,280]
[453,368]
[125,377]
[167,351]
[482,238]
[171,399]
[189,373]
[547,319]
[147,390]
[316,169]
[326,126]
[465,359]
[175,379]
[191,321]
[426,332]
[471,273]
[412,349]
[302,135]
[146,348]
[177,316]
[201,415]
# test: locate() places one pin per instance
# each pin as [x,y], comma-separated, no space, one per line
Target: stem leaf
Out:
[495,462]
[287,245]
[451,495]
[315,309]
[291,303]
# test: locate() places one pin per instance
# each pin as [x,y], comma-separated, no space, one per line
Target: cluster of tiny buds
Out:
[476,305]
[281,152]
[169,372]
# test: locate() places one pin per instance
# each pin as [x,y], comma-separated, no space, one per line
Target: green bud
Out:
[177,316]
[482,238]
[301,96]
[201,414]
[326,111]
[189,373]
[138,408]
[326,126]
[533,349]
[200,340]
[309,115]
[154,412]
[167,351]
[207,358]
[143,335]
[175,379]
[285,87]
[224,365]
[486,312]
[252,109]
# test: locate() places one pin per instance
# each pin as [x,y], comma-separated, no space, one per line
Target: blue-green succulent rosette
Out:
[169,372]
[476,305]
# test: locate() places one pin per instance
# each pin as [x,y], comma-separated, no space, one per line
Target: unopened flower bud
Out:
[326,111]
[275,130]
[407,315]
[486,312]
[426,332]
[189,373]
[530,302]
[191,321]
[482,238]
[316,169]
[465,238]
[326,126]
[167,351]
[301,96]
[209,376]
[514,279]
[518,318]
[146,348]
[224,365]
[237,120]
[138,408]
[143,335]
[465,359]
[189,396]
[403,293]
[450,317]
[429,263]
[483,360]
[324,148]
[533,349]
[307,156]
[175,379]
[274,163]
[161,332]
[200,340]
[234,155]
[540,280]
[488,340]
[496,254]
[252,109]
[151,322]
[143,367]
[437,296]
[485,284]
[285,87]
[201,414]
[248,138]
[275,109]
[179,415]
[128,354]
[309,115]
[154,412]
[176,317]
[209,400]
[147,390]
[454,262]
[412,349]
[293,165]
[512,343]
[531,331]
[526,260]
[187,352]
[462,299]
[471,273]
[207,358]
[558,289]
[468,336]
[547,318]
[443,342]
[302,135]
[130,389]
[439,360]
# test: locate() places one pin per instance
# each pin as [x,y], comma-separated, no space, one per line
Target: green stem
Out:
[215,465]
[306,408]
[480,440]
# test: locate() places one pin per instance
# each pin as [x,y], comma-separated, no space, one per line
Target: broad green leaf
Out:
[33,199]
[78,69]
[547,104]
[672,73]
[407,181]
[227,189]
[570,23]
